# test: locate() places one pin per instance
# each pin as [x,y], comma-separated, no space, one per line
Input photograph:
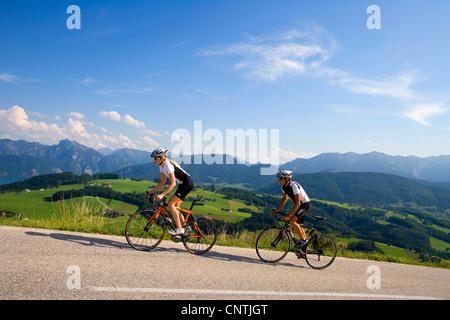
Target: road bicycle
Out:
[146,229]
[274,242]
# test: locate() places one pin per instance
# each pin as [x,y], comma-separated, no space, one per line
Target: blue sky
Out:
[137,71]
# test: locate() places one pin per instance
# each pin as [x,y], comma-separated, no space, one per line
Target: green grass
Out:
[439,244]
[31,204]
[128,186]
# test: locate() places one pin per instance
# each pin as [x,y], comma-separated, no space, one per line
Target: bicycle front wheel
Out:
[320,252]
[201,235]
[144,231]
[272,245]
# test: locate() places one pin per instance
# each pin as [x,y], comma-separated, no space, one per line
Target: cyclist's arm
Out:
[160,184]
[282,203]
[172,185]
[297,205]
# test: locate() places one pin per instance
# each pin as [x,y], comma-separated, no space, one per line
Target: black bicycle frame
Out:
[311,234]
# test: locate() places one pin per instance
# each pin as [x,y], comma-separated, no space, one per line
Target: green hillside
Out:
[369,188]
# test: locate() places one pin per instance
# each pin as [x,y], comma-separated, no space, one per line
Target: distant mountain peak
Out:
[22,159]
[435,169]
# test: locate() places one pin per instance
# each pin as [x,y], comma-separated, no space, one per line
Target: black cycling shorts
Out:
[301,212]
[184,188]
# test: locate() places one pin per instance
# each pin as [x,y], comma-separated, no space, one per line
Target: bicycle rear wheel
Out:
[272,245]
[201,235]
[143,231]
[320,252]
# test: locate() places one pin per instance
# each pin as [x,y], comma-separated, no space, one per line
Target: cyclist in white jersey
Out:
[170,169]
[294,190]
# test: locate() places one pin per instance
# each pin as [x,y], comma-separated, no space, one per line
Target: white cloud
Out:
[288,155]
[149,143]
[305,53]
[140,91]
[115,116]
[120,141]
[88,81]
[76,115]
[76,129]
[397,88]
[133,122]
[289,53]
[152,133]
[15,124]
[6,77]
[421,113]
[112,115]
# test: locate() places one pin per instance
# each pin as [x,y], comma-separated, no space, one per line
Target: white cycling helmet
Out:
[284,174]
[160,152]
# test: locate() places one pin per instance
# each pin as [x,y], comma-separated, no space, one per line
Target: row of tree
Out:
[54,180]
[103,192]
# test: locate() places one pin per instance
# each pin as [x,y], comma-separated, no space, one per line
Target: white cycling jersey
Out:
[180,175]
[294,188]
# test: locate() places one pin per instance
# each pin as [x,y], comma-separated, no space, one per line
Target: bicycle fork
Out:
[278,238]
[149,224]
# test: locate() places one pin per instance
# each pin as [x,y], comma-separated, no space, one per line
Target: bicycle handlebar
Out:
[152,199]
[278,216]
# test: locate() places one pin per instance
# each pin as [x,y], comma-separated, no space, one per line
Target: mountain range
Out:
[22,159]
[436,169]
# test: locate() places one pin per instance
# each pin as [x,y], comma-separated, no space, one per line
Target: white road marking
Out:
[260,293]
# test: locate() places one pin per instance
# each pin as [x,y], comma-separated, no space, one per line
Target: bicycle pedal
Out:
[299,254]
[176,238]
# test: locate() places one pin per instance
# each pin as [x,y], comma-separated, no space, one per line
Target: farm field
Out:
[35,204]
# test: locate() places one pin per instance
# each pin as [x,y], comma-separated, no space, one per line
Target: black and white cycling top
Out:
[180,175]
[294,188]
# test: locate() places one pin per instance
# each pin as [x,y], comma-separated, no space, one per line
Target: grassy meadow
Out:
[36,210]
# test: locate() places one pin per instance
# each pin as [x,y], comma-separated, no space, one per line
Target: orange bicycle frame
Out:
[188,213]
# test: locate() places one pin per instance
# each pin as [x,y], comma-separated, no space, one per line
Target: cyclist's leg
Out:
[298,219]
[177,199]
[294,222]
[175,202]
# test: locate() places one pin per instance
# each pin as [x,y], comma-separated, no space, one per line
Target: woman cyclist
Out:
[172,170]
[294,190]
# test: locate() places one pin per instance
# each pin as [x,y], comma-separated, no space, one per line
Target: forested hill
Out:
[368,188]
[346,187]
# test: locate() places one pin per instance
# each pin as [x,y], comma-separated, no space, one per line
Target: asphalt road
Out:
[48,264]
